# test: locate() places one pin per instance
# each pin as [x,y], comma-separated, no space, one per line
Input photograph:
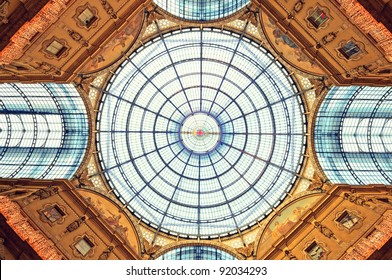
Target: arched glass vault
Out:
[201,10]
[43,131]
[353,135]
[201,133]
[196,253]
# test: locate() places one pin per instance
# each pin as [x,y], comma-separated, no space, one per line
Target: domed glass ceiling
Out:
[201,133]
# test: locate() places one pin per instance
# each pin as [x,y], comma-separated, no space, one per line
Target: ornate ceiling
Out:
[199,129]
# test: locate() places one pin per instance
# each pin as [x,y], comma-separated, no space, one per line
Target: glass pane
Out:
[83,246]
[318,17]
[53,214]
[349,49]
[348,220]
[55,48]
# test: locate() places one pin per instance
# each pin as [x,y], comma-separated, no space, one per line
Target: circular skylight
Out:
[201,133]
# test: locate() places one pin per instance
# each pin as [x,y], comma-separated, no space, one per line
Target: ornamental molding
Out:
[108,9]
[46,16]
[359,16]
[4,12]
[382,233]
[14,218]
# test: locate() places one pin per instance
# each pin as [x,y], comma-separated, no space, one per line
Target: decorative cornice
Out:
[368,245]
[2,249]
[40,244]
[359,16]
[108,9]
[4,12]
[45,17]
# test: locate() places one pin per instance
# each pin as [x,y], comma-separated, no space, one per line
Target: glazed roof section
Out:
[201,10]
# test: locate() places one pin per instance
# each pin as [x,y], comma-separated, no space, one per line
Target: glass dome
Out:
[201,133]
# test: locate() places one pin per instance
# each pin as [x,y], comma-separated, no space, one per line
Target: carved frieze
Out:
[4,12]
[109,9]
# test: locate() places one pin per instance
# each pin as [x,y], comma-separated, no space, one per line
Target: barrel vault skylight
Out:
[196,253]
[201,10]
[43,130]
[353,135]
[201,133]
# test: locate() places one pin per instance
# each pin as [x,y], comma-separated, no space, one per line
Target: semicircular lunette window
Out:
[201,133]
[201,10]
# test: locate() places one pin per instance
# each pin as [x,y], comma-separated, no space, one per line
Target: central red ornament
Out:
[199,132]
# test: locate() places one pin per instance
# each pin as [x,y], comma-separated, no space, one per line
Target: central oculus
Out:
[200,133]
